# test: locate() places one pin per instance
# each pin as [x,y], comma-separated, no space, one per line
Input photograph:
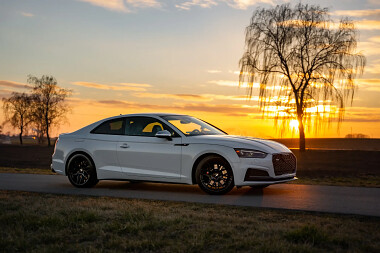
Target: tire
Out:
[258,187]
[214,175]
[81,171]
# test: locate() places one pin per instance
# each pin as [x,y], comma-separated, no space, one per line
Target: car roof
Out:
[150,114]
[144,114]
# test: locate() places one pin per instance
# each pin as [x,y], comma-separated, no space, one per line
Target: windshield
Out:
[191,126]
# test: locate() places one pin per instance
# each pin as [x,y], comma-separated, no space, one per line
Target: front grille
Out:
[285,163]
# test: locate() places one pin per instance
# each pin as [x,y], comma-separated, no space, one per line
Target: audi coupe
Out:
[162,147]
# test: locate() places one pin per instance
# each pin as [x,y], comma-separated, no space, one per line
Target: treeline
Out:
[39,110]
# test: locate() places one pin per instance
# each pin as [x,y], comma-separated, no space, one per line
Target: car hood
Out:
[235,141]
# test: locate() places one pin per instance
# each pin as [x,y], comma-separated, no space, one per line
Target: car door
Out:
[142,156]
[102,142]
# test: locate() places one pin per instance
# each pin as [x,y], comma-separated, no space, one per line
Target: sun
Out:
[293,124]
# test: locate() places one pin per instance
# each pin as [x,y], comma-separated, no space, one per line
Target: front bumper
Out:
[261,171]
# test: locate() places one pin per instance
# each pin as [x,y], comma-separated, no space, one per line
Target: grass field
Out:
[53,223]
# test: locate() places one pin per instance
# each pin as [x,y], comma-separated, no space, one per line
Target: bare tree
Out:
[304,63]
[17,111]
[48,107]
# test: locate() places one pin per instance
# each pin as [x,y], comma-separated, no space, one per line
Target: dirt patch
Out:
[334,143]
[352,163]
[26,156]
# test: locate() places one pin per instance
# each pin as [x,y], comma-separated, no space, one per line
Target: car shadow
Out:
[183,189]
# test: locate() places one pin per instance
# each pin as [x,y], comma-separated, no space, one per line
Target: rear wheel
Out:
[214,175]
[81,171]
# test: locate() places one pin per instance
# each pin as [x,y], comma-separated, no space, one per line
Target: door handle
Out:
[124,145]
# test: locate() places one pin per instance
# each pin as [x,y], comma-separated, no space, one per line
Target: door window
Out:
[113,127]
[145,126]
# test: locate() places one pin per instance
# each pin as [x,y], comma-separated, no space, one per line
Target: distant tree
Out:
[357,136]
[48,107]
[304,63]
[17,111]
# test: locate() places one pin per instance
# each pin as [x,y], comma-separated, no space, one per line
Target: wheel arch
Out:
[200,158]
[82,152]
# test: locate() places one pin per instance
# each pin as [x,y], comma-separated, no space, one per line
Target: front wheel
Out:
[214,175]
[81,171]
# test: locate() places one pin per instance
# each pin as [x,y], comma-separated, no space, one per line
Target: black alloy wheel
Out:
[214,175]
[81,171]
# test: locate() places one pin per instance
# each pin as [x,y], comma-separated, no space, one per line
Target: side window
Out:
[113,127]
[145,126]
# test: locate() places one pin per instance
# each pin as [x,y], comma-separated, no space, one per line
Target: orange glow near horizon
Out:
[249,124]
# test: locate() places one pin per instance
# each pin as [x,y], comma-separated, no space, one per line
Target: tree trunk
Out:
[302,141]
[21,129]
[20,136]
[47,129]
[47,134]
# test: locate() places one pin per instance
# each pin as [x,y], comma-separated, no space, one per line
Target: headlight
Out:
[249,153]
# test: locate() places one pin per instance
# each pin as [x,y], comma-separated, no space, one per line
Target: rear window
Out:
[113,127]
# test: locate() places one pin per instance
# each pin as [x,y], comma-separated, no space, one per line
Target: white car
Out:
[170,148]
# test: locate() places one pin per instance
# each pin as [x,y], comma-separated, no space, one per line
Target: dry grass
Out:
[54,223]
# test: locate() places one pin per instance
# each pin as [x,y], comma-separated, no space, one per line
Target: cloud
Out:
[119,86]
[201,3]
[116,102]
[113,5]
[27,14]
[370,47]
[368,24]
[362,114]
[375,39]
[373,68]
[12,84]
[145,85]
[213,71]
[369,84]
[237,4]
[229,83]
[244,4]
[191,97]
[226,109]
[223,109]
[144,3]
[123,5]
[357,13]
[225,83]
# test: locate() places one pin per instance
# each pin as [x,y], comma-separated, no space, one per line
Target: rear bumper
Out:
[52,169]
[58,166]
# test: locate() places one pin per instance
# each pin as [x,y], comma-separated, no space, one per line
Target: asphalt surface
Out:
[331,199]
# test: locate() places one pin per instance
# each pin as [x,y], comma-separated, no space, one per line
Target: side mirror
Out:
[164,134]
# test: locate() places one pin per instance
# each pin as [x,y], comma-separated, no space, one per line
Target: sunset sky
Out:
[131,56]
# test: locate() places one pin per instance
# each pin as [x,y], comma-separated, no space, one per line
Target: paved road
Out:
[333,199]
